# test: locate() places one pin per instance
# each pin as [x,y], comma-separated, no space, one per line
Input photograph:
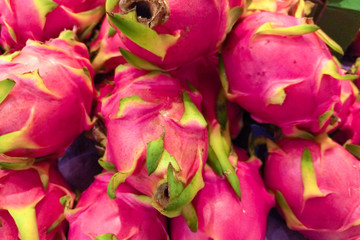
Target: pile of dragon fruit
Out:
[173,119]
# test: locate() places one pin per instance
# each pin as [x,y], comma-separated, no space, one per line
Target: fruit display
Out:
[183,120]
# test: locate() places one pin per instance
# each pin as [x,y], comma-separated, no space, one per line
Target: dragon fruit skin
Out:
[33,196]
[106,49]
[236,3]
[350,131]
[39,20]
[145,108]
[271,93]
[322,199]
[222,215]
[224,118]
[8,228]
[55,78]
[127,216]
[186,22]
[287,7]
[204,76]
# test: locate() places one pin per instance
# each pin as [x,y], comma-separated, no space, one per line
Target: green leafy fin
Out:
[5,87]
[154,150]
[138,62]
[298,30]
[126,102]
[66,201]
[330,42]
[11,31]
[213,162]
[188,194]
[9,57]
[300,9]
[43,8]
[39,82]
[217,144]
[223,78]
[291,220]
[114,183]
[221,111]
[19,139]
[111,32]
[106,165]
[308,175]
[324,117]
[111,5]
[278,96]
[191,112]
[107,236]
[353,149]
[189,214]
[166,159]
[25,220]
[142,35]
[332,70]
[234,14]
[175,186]
[17,163]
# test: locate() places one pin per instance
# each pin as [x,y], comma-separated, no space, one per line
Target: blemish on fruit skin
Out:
[294,61]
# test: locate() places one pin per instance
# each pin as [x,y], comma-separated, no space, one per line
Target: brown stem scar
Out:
[149,12]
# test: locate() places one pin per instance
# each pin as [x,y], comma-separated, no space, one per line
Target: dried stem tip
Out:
[149,12]
[162,195]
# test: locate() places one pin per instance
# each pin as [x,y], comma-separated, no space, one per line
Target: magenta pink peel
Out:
[39,114]
[322,199]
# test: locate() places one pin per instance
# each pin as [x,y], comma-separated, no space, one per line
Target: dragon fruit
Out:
[298,8]
[156,138]
[170,33]
[316,183]
[236,3]
[105,49]
[39,19]
[222,215]
[45,98]
[203,75]
[128,216]
[297,91]
[349,133]
[31,203]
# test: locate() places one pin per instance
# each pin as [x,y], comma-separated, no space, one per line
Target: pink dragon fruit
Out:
[236,3]
[45,98]
[31,203]
[203,75]
[105,48]
[128,216]
[355,69]
[298,8]
[156,137]
[170,33]
[316,183]
[349,133]
[39,19]
[296,91]
[222,215]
